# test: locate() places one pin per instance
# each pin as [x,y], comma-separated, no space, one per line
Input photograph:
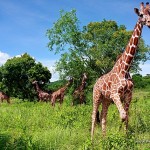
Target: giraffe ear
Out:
[136,10]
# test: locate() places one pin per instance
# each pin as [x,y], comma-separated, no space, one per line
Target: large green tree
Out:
[17,74]
[92,48]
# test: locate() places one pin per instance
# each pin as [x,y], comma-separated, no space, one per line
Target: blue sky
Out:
[23,24]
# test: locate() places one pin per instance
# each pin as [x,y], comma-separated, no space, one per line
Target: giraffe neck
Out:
[65,87]
[83,83]
[124,62]
[37,87]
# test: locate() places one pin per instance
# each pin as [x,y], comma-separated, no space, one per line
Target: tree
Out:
[92,49]
[17,74]
[138,81]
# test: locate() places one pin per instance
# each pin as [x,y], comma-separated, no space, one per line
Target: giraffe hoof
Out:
[123,117]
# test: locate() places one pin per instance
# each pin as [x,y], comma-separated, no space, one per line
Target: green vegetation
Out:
[92,48]
[17,75]
[28,125]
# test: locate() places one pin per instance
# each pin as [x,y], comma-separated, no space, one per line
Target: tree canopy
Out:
[17,74]
[92,48]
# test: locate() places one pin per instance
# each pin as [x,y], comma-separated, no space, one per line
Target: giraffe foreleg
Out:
[8,100]
[53,101]
[61,98]
[115,97]
[128,99]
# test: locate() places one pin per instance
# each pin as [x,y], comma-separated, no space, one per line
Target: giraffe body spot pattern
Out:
[117,85]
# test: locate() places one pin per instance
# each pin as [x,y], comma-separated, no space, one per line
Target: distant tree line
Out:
[18,73]
[141,81]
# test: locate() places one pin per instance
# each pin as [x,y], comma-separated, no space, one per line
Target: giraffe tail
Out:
[97,117]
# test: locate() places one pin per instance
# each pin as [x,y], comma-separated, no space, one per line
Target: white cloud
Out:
[50,64]
[3,57]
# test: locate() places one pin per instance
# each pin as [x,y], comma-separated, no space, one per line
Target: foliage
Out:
[140,81]
[53,86]
[146,80]
[92,49]
[17,74]
[28,125]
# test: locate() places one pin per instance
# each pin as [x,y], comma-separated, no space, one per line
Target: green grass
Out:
[38,126]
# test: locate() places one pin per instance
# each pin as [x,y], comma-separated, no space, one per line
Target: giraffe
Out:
[60,93]
[117,85]
[79,91]
[3,97]
[43,96]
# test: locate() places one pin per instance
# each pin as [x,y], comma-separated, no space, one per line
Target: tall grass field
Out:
[38,126]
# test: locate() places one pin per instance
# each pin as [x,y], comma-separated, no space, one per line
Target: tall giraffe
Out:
[60,93]
[79,91]
[43,96]
[117,85]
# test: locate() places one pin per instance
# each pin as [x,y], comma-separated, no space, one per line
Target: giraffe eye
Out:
[141,15]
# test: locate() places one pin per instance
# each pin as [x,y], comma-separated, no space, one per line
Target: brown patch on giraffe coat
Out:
[136,40]
[119,68]
[137,31]
[129,59]
[108,94]
[127,49]
[115,69]
[125,57]
[132,51]
[104,86]
[109,84]
[131,41]
[122,73]
[139,27]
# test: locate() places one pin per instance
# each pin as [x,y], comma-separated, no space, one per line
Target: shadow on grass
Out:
[21,143]
[4,140]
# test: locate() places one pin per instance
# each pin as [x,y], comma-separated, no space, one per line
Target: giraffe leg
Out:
[96,103]
[61,98]
[128,99]
[105,105]
[53,101]
[119,105]
[8,100]
[81,99]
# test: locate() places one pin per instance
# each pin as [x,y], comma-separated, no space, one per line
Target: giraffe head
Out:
[144,14]
[34,82]
[71,80]
[85,76]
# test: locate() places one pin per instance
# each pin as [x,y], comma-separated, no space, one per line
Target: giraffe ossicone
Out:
[117,85]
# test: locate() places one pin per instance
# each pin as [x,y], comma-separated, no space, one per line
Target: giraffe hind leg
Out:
[96,103]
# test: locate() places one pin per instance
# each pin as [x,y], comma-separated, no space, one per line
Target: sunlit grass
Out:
[29,125]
